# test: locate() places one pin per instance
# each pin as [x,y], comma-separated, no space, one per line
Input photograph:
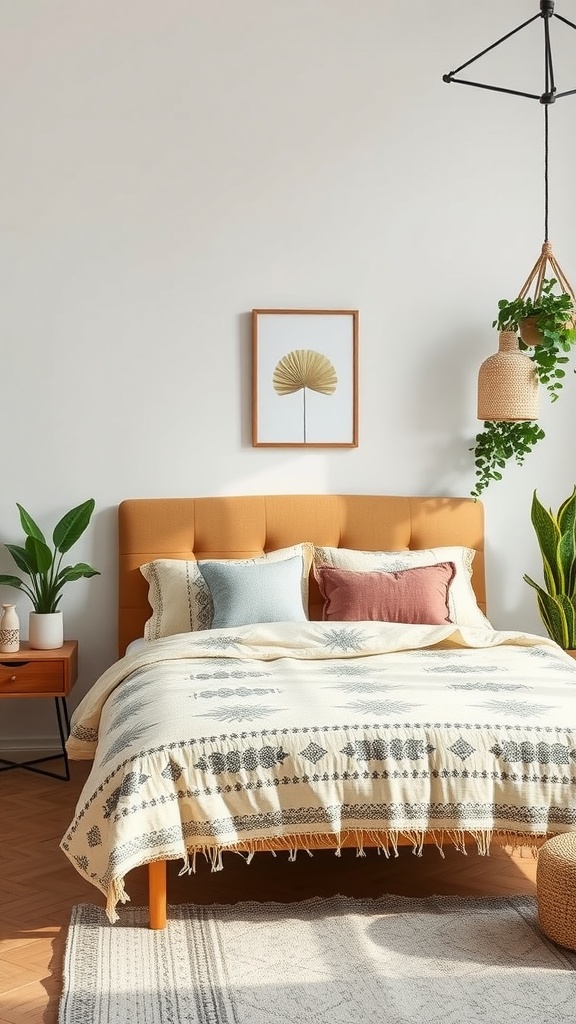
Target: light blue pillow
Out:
[262,592]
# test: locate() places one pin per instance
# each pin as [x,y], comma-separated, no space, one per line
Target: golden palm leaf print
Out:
[304,368]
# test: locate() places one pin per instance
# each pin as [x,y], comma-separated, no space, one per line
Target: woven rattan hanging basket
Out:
[528,328]
[507,384]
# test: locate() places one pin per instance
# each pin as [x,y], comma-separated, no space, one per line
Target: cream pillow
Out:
[462,604]
[179,595]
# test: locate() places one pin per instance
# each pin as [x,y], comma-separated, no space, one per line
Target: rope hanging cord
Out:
[546,147]
[537,275]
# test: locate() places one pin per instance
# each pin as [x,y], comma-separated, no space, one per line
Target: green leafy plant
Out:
[556,535]
[42,564]
[553,316]
[499,442]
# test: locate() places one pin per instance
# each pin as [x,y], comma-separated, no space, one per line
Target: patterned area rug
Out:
[334,961]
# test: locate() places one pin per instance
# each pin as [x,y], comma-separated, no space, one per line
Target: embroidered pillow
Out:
[463,608]
[180,598]
[264,592]
[418,595]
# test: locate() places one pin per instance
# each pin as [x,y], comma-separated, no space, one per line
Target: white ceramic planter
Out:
[45,630]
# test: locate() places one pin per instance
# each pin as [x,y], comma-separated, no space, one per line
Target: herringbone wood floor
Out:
[38,885]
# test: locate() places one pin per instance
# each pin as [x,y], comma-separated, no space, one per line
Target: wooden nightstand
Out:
[33,673]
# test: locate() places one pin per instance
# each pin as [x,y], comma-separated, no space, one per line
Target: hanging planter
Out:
[545,323]
[535,336]
[508,381]
[530,332]
[508,396]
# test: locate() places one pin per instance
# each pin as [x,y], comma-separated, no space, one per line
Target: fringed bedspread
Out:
[310,734]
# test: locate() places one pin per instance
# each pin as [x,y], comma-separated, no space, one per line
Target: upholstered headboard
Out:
[241,527]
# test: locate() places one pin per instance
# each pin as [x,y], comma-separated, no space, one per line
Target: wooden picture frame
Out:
[305,378]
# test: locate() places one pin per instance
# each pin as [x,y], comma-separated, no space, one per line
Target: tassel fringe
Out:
[386,843]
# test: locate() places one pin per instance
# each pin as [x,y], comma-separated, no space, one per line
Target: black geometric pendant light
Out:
[515,406]
[550,94]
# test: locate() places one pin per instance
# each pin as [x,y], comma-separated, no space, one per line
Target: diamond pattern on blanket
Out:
[462,749]
[314,753]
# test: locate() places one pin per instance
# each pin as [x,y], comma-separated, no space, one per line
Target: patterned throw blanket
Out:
[317,733]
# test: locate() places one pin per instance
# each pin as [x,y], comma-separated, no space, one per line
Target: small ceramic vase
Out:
[9,630]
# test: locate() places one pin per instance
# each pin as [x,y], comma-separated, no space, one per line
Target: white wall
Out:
[167,165]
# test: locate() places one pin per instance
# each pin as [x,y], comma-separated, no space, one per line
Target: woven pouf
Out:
[556,889]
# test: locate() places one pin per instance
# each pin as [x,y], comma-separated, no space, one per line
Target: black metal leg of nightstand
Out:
[63,720]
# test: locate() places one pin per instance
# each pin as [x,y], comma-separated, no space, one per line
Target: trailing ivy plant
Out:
[553,314]
[499,442]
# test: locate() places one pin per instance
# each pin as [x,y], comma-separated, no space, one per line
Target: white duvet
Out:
[308,733]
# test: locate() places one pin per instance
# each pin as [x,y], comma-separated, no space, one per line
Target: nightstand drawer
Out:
[31,677]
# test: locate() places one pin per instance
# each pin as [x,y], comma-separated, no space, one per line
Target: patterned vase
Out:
[9,630]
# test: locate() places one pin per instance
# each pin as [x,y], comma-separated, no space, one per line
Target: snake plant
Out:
[556,535]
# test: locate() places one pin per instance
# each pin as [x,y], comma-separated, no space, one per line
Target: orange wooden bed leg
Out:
[157,896]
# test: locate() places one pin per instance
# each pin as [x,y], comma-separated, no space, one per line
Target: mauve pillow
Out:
[418,595]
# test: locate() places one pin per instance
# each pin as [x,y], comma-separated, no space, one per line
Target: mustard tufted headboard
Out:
[244,526]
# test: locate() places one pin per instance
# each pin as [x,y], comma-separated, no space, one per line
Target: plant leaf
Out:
[567,548]
[548,536]
[72,526]
[75,572]
[566,515]
[39,555]
[10,581]
[570,618]
[552,613]
[22,558]
[31,529]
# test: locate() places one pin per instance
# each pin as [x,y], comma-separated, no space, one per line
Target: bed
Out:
[313,671]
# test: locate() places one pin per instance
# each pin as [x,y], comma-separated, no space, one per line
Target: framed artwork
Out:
[305,378]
